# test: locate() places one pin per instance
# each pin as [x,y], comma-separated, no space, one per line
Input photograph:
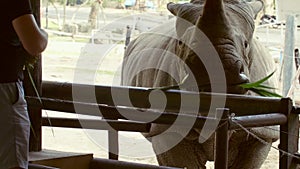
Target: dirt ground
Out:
[76,140]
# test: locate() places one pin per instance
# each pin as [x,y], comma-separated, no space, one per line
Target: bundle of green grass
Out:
[260,89]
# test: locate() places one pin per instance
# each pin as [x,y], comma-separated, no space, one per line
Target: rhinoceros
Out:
[168,53]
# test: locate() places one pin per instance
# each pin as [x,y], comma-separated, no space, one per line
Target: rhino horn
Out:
[213,14]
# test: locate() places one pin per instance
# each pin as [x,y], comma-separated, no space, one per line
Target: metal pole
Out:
[221,140]
[289,67]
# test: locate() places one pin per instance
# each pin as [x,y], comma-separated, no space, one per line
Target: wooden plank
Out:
[37,166]
[99,163]
[176,100]
[110,112]
[34,112]
[113,144]
[289,135]
[222,140]
[97,124]
[61,160]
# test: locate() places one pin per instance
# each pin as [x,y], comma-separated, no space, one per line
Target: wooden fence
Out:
[250,111]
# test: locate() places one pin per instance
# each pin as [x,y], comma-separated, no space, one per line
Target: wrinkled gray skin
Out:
[229,26]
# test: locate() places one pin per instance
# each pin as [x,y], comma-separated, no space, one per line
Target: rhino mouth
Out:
[232,85]
[231,88]
[236,89]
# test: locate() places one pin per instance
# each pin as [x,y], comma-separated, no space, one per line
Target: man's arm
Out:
[33,39]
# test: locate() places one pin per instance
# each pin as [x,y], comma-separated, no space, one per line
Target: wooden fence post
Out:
[289,135]
[35,113]
[222,140]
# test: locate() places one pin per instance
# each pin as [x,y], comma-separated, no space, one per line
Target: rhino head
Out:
[226,26]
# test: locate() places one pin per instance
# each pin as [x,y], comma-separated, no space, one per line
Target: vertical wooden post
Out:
[221,141]
[34,113]
[289,134]
[113,144]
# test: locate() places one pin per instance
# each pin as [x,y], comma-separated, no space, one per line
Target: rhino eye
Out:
[180,43]
[246,44]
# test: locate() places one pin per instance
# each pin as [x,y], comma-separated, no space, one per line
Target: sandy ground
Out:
[137,150]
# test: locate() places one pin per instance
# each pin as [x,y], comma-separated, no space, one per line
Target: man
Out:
[20,37]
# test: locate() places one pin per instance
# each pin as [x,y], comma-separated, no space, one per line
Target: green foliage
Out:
[260,89]
[30,61]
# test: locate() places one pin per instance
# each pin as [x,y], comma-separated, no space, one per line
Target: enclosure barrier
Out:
[249,111]
[37,166]
[98,163]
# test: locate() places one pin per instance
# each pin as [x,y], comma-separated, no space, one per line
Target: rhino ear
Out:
[201,2]
[256,7]
[187,15]
[187,11]
[173,8]
[178,9]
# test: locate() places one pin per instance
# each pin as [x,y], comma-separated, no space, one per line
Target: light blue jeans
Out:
[14,126]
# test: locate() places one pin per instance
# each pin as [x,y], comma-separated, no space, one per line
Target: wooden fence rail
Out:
[250,111]
[239,104]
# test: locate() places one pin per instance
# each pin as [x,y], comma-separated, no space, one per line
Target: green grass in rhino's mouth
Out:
[259,88]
